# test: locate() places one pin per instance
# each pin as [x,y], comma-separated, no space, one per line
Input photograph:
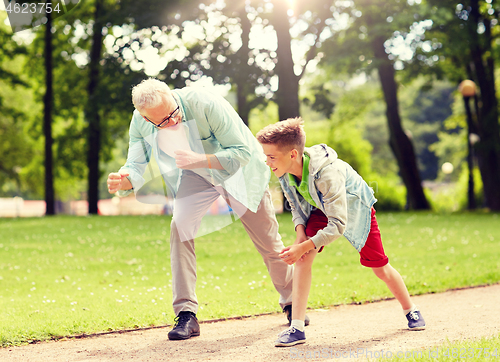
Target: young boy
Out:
[328,199]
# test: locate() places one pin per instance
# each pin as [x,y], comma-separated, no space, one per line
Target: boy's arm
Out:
[302,245]
[301,234]
[296,218]
[332,187]
[292,253]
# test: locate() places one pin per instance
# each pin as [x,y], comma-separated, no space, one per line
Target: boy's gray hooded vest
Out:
[341,194]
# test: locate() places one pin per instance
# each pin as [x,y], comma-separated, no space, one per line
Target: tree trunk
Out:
[241,78]
[92,112]
[488,148]
[401,145]
[471,198]
[288,88]
[47,119]
[287,95]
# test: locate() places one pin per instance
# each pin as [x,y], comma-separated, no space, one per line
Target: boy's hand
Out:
[292,254]
[301,238]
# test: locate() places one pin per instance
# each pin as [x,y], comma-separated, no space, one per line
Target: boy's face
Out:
[279,160]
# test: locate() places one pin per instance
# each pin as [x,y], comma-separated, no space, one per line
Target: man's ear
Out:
[294,154]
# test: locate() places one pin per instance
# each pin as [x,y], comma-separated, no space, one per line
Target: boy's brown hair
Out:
[287,135]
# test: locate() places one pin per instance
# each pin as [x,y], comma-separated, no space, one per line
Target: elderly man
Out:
[203,150]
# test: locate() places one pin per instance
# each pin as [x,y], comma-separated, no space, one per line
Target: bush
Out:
[391,195]
[453,196]
[350,146]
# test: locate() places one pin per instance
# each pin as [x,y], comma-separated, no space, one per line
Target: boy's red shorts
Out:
[372,255]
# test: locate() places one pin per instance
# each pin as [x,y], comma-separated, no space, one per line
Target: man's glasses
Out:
[166,119]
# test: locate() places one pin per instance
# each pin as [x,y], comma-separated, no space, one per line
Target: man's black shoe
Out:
[288,311]
[186,326]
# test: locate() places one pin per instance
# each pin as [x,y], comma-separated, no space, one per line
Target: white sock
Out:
[298,324]
[413,308]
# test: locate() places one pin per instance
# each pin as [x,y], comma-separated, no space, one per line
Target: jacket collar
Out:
[320,156]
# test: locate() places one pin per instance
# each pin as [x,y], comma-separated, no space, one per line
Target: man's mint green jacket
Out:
[213,127]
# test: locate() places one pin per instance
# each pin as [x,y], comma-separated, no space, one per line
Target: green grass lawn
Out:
[484,349]
[63,275]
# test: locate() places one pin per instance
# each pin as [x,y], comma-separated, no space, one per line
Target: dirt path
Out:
[349,332]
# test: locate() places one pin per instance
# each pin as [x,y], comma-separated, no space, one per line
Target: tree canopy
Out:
[306,58]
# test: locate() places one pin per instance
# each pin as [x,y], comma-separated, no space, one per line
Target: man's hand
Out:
[116,182]
[189,160]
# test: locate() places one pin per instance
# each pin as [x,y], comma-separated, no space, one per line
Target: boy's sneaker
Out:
[290,337]
[288,311]
[415,320]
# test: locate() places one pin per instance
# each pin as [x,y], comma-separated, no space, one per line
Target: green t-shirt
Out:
[303,188]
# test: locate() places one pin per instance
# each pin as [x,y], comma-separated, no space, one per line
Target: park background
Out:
[378,81]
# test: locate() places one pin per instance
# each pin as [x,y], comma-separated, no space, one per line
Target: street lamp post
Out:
[468,90]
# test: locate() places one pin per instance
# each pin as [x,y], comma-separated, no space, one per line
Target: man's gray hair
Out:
[148,93]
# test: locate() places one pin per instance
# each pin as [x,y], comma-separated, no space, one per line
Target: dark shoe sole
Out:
[181,338]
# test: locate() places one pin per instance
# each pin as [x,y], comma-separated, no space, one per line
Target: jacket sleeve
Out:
[139,154]
[223,121]
[296,218]
[289,193]
[331,185]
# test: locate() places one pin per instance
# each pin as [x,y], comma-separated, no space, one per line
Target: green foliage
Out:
[445,50]
[18,109]
[349,118]
[358,134]
[461,43]
[351,50]
[351,121]
[320,100]
[451,197]
[263,116]
[452,141]
[343,132]
[347,127]
[389,192]
[377,133]
[425,107]
[351,147]
[70,275]
[72,36]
